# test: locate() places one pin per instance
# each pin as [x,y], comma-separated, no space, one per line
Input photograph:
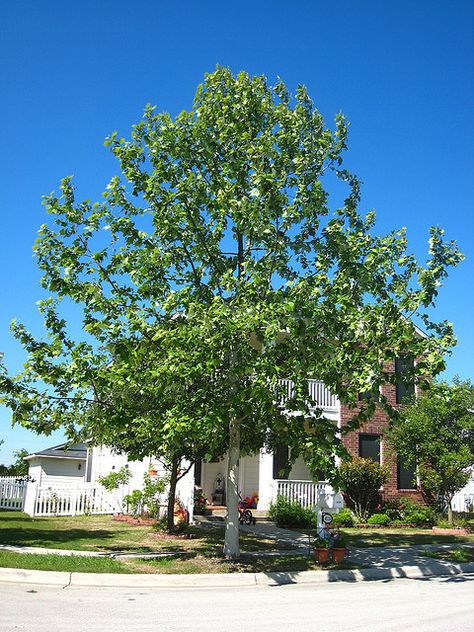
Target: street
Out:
[425,605]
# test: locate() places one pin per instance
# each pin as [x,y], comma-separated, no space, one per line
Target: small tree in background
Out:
[19,467]
[360,480]
[435,434]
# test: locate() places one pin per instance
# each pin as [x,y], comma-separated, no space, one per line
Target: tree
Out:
[219,252]
[435,434]
[19,467]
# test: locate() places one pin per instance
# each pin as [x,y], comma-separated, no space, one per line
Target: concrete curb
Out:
[110,580]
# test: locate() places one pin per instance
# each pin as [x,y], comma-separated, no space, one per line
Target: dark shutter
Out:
[280,462]
[369,447]
[198,472]
[405,390]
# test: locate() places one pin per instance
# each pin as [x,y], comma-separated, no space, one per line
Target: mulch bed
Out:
[452,531]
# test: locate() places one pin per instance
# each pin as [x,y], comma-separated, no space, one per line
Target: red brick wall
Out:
[378,425]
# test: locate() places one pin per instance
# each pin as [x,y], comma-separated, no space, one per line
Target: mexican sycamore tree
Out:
[435,435]
[216,252]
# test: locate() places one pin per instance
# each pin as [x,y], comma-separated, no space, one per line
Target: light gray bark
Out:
[231,540]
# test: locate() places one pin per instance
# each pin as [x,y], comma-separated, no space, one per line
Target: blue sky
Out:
[402,72]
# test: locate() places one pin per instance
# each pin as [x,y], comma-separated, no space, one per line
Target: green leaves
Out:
[210,268]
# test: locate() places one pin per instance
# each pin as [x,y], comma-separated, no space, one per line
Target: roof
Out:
[76,451]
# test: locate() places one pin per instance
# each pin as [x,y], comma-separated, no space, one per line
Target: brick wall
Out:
[378,425]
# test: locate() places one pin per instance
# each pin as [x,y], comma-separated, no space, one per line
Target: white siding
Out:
[249,470]
[61,471]
[464,499]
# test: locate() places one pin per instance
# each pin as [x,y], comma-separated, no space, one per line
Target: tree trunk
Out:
[172,495]
[450,512]
[231,540]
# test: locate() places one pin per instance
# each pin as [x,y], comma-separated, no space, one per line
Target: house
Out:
[260,474]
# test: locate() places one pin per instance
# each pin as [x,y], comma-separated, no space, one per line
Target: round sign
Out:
[327,518]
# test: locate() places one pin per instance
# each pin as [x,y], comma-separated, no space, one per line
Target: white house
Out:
[80,466]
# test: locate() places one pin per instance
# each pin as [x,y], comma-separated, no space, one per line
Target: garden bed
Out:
[450,531]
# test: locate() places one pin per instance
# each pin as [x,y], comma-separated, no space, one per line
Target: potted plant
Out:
[339,547]
[321,550]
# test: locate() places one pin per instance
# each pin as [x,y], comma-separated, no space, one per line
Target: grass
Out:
[197,564]
[68,563]
[458,556]
[102,533]
[362,538]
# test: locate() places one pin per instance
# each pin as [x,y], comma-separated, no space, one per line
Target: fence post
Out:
[29,502]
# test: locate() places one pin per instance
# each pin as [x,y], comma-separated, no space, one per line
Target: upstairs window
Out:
[405,389]
[369,447]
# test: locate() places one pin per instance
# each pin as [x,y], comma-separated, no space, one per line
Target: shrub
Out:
[290,513]
[344,518]
[393,509]
[422,517]
[379,518]
[134,502]
[200,501]
[361,480]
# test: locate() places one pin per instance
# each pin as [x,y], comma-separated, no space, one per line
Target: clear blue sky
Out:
[402,72]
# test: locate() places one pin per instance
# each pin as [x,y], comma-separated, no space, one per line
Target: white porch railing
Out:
[74,500]
[307,493]
[317,391]
[12,492]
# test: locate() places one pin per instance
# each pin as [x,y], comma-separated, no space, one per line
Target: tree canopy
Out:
[435,434]
[214,266]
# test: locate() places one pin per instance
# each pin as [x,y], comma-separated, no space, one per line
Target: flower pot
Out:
[321,555]
[152,472]
[338,555]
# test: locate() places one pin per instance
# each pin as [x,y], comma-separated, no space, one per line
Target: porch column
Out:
[185,490]
[265,480]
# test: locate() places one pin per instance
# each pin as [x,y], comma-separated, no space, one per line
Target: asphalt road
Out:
[425,605]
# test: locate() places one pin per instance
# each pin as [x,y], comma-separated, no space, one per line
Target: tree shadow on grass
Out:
[51,537]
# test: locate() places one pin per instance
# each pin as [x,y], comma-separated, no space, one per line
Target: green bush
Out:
[407,511]
[379,518]
[134,502]
[290,513]
[344,518]
[361,480]
[422,517]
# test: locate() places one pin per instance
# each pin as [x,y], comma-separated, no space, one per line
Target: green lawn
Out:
[458,556]
[190,564]
[66,563]
[400,537]
[102,533]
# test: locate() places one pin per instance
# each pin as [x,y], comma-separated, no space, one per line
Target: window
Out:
[405,389]
[406,476]
[281,468]
[369,447]
[372,393]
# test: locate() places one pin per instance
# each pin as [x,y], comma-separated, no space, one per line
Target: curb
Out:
[111,580]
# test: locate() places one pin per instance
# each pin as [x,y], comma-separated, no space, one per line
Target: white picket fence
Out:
[74,500]
[12,492]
